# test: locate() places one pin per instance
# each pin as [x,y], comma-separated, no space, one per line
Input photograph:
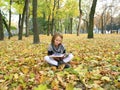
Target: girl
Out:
[56,47]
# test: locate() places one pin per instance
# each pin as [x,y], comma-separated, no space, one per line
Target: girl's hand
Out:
[62,58]
[56,58]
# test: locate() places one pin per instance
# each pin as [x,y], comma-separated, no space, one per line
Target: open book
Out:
[59,55]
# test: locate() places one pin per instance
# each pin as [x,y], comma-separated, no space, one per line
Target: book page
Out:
[57,55]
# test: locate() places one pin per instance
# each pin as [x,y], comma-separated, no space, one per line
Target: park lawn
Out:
[95,66]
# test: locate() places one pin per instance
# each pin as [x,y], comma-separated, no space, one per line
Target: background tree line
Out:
[50,16]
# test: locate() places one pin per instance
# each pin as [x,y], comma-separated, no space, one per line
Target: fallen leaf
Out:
[25,69]
[69,86]
[105,78]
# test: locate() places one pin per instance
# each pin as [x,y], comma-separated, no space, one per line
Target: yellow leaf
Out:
[54,84]
[117,84]
[25,69]
[16,76]
[105,78]
[1,80]
[69,86]
[42,79]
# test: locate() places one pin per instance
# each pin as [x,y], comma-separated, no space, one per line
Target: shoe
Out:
[60,62]
[61,67]
[67,66]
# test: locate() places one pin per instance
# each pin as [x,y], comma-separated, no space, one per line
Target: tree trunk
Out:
[27,18]
[19,22]
[35,28]
[91,19]
[58,19]
[55,29]
[1,27]
[48,31]
[6,26]
[48,25]
[80,17]
[22,22]
[52,25]
[102,24]
[87,25]
[9,29]
[44,23]
[71,20]
[65,30]
[103,20]
[61,26]
[68,28]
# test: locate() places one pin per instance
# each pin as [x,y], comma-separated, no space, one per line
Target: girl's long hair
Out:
[55,36]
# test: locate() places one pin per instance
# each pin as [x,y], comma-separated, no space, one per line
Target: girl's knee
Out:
[71,55]
[46,58]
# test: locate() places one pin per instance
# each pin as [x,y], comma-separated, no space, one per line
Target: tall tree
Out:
[53,18]
[71,25]
[80,17]
[4,21]
[1,27]
[35,28]
[22,21]
[58,20]
[91,19]
[9,29]
[49,15]
[27,18]
[103,19]
[48,31]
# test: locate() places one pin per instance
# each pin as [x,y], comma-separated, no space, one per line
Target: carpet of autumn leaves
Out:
[95,66]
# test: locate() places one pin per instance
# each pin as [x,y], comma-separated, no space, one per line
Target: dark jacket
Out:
[53,50]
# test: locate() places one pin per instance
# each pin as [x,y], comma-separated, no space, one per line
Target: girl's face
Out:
[57,41]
